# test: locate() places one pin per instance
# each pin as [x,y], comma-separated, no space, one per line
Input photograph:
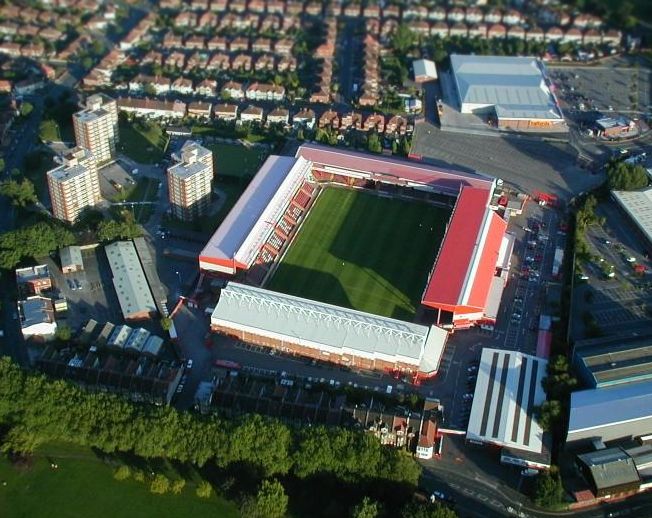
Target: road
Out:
[21,144]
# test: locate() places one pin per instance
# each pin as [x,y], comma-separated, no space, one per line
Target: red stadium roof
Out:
[392,168]
[466,264]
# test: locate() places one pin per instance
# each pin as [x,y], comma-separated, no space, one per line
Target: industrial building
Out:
[326,332]
[508,389]
[614,360]
[609,471]
[134,295]
[37,318]
[71,259]
[638,206]
[609,414]
[189,181]
[514,90]
[96,127]
[74,185]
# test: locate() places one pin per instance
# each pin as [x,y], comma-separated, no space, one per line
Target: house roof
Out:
[424,68]
[70,256]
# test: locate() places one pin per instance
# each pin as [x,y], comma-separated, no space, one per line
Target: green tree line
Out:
[35,410]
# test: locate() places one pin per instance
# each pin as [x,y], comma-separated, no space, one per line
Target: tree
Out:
[204,489]
[2,165]
[373,143]
[418,510]
[178,485]
[122,473]
[549,490]
[559,382]
[160,485]
[367,508]
[20,193]
[63,333]
[26,108]
[270,501]
[548,414]
[166,323]
[626,177]
[33,241]
[403,39]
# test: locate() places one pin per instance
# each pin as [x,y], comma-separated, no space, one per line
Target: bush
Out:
[122,473]
[204,489]
[178,485]
[160,485]
[139,475]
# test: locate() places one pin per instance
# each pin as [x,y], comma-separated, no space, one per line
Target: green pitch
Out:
[365,252]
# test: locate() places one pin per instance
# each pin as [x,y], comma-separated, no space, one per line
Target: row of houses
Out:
[250,21]
[370,72]
[142,379]
[413,11]
[162,85]
[325,54]
[289,400]
[330,119]
[499,30]
[219,61]
[282,47]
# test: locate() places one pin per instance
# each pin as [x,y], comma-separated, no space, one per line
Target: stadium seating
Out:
[279,238]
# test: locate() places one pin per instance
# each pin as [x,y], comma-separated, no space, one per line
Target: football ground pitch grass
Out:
[362,251]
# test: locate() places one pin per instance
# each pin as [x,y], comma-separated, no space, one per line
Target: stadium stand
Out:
[465,267]
[326,332]
[261,225]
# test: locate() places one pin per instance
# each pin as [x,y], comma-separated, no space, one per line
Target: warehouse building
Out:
[638,206]
[608,361]
[134,295]
[327,332]
[610,414]
[516,90]
[609,471]
[507,391]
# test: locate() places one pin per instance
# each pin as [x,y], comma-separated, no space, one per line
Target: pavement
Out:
[524,163]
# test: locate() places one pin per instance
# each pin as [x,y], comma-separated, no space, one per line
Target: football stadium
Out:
[356,259]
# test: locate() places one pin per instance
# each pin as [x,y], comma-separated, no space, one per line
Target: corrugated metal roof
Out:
[611,467]
[507,390]
[129,280]
[325,326]
[514,85]
[595,408]
[638,205]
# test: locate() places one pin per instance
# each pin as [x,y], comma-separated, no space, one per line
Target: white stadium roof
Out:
[638,205]
[253,217]
[507,390]
[327,327]
[515,86]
